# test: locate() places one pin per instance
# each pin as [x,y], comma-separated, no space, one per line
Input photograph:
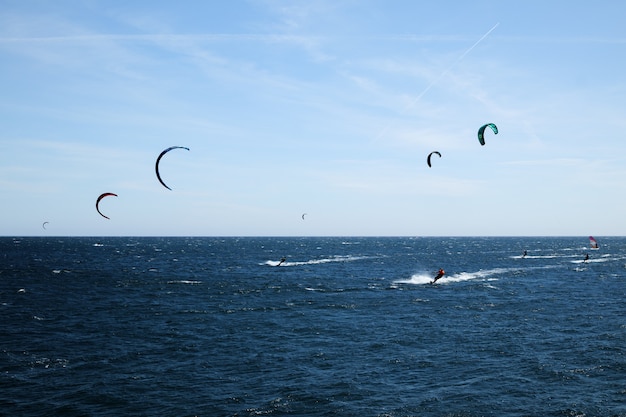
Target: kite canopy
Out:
[481,132]
[156,165]
[100,198]
[431,154]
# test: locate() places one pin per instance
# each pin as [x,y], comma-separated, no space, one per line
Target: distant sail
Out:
[593,243]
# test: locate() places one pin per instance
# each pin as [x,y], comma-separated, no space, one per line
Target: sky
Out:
[327,107]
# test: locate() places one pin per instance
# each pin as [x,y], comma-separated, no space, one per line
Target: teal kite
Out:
[481,132]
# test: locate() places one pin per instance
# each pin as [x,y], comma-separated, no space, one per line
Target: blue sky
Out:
[328,108]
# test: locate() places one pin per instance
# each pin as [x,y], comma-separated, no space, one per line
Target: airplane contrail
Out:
[447,70]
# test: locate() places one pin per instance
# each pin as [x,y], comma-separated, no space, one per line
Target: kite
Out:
[44,225]
[100,198]
[431,154]
[303,214]
[481,132]
[156,165]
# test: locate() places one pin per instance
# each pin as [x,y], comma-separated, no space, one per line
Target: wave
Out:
[338,258]
[549,256]
[417,279]
[537,256]
[591,261]
[488,274]
[603,258]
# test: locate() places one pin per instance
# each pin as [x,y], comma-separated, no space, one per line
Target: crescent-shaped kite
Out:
[303,214]
[431,154]
[44,225]
[481,132]
[156,165]
[100,198]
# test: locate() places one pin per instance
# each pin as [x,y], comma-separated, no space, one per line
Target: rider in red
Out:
[439,275]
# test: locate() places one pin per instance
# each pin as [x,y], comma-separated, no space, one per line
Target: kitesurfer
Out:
[586,257]
[525,253]
[440,273]
[283,259]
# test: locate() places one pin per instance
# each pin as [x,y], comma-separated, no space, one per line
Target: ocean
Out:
[345,326]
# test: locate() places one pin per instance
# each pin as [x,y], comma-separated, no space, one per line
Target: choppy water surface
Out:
[343,327]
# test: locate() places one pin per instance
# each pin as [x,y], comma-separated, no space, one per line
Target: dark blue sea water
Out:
[344,327]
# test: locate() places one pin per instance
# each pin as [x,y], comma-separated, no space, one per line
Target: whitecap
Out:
[424,278]
[417,279]
[480,274]
[184,281]
[337,258]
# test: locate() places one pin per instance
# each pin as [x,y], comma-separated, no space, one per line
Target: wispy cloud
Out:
[161,38]
[252,38]
[574,40]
